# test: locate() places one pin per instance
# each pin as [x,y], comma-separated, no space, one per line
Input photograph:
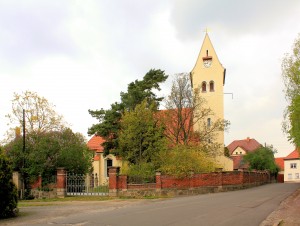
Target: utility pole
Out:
[23,133]
[24,148]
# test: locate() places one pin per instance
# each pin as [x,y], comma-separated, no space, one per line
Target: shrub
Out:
[142,173]
[8,191]
[182,160]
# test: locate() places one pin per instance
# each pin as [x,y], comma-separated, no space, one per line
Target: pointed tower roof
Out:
[207,52]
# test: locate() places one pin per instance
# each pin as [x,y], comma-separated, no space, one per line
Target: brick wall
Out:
[194,184]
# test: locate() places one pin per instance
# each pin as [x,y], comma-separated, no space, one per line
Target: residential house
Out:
[101,163]
[239,148]
[292,167]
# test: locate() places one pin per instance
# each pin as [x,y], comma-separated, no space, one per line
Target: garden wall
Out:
[194,184]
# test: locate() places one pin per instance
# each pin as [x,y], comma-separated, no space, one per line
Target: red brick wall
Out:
[122,182]
[196,180]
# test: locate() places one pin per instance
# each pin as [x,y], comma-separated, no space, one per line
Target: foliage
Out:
[294,116]
[48,150]
[141,137]
[109,120]
[8,191]
[182,160]
[226,152]
[140,90]
[262,159]
[185,109]
[40,115]
[291,77]
[142,173]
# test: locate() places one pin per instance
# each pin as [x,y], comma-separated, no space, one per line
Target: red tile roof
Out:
[280,162]
[238,162]
[95,143]
[247,144]
[293,155]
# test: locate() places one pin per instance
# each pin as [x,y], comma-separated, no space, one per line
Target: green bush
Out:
[182,160]
[142,173]
[8,191]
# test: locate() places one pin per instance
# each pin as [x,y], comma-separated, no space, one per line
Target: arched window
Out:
[109,163]
[203,86]
[211,86]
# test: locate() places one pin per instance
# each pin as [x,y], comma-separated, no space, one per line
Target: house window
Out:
[240,153]
[109,163]
[211,86]
[290,176]
[203,86]
[293,165]
[236,153]
[297,175]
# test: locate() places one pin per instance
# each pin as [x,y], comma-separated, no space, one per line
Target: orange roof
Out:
[238,162]
[280,162]
[247,144]
[95,143]
[293,155]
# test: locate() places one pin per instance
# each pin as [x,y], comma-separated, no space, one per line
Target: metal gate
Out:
[80,184]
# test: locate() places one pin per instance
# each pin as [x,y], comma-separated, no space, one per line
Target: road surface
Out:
[244,207]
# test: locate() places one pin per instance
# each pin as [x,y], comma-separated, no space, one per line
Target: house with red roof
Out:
[292,167]
[101,163]
[239,148]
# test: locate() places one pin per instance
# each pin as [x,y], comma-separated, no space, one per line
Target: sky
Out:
[80,55]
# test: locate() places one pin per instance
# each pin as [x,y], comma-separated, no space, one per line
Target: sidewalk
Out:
[287,214]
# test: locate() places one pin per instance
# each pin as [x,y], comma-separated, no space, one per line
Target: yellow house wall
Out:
[224,162]
[99,167]
[288,170]
[239,151]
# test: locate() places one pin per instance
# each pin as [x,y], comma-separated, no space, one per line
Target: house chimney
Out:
[248,139]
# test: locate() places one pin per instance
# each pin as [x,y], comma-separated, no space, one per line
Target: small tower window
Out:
[203,87]
[208,122]
[211,86]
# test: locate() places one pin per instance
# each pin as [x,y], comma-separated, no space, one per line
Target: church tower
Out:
[208,76]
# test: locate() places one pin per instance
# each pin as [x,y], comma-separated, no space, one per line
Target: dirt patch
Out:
[287,214]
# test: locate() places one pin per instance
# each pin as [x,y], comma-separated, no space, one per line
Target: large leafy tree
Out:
[291,77]
[184,109]
[109,120]
[141,136]
[48,150]
[8,191]
[262,159]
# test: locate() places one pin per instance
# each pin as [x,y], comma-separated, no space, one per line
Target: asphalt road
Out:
[242,208]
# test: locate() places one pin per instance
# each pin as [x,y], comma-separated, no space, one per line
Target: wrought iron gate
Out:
[80,184]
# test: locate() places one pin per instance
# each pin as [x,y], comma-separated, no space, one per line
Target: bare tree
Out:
[186,109]
[40,115]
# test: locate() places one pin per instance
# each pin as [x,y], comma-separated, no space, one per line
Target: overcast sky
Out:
[80,55]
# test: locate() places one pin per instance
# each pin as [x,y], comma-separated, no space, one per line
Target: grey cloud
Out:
[191,17]
[32,29]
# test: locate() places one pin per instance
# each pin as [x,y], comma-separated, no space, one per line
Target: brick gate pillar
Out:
[158,183]
[61,191]
[113,180]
